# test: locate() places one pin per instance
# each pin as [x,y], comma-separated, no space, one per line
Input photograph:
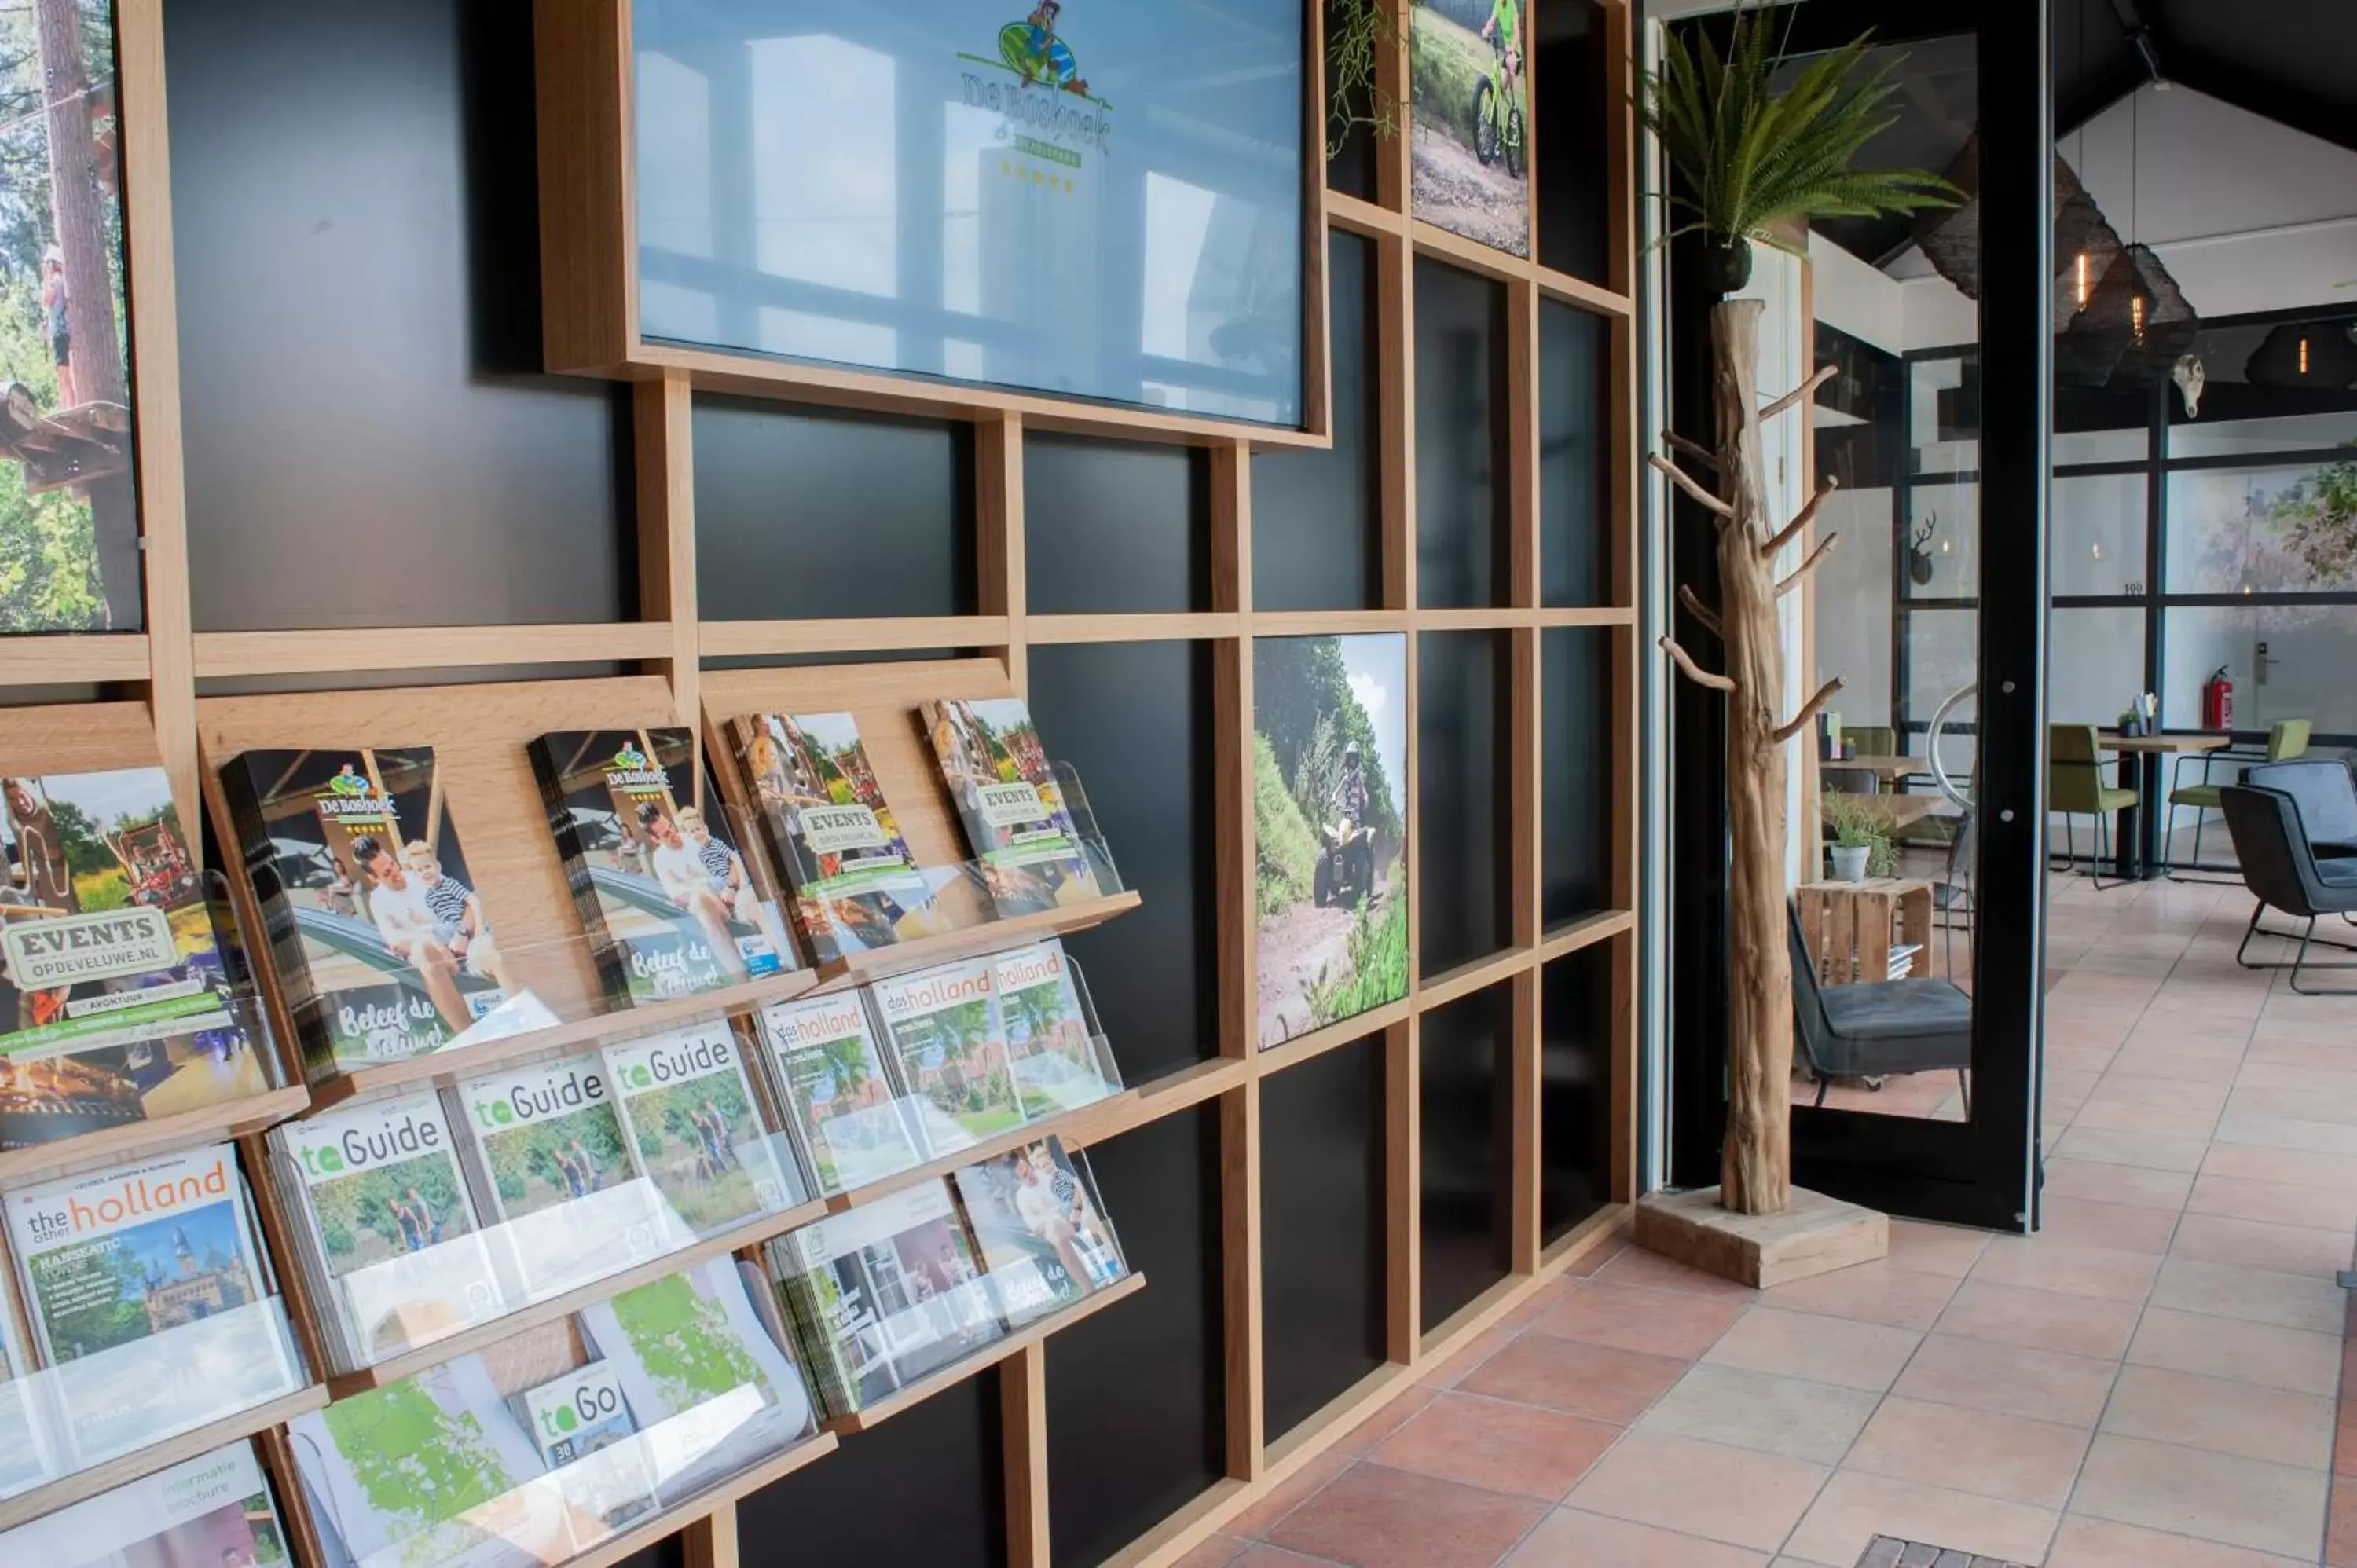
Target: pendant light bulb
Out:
[2082,280]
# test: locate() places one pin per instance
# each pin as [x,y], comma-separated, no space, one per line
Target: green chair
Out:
[2075,787]
[2285,741]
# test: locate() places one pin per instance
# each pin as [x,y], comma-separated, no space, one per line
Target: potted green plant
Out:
[1750,158]
[1862,846]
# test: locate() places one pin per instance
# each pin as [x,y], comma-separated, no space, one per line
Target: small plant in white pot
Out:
[1862,846]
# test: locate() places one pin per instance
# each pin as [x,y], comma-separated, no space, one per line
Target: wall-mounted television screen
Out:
[1098,200]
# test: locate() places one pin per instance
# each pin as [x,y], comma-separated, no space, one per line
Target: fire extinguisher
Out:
[2218,701]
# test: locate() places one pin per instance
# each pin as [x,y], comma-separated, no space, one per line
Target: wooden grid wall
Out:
[166,662]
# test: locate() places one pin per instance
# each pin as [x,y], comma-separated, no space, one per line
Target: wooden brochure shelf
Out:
[508,1325]
[989,1355]
[90,1483]
[163,1135]
[970,942]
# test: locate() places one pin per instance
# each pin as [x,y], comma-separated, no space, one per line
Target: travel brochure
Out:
[681,1385]
[856,885]
[1011,803]
[655,871]
[212,1511]
[114,999]
[831,1080]
[1042,1234]
[690,1112]
[383,944]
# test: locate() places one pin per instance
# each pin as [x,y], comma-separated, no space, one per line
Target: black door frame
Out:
[1981,1172]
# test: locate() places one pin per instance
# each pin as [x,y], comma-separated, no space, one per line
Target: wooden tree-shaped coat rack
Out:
[1756,1164]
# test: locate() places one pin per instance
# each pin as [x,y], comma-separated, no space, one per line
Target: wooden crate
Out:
[1851,926]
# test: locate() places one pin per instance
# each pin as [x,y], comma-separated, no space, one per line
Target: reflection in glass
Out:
[1104,204]
[2097,544]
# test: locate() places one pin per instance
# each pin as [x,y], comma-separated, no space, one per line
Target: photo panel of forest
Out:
[1329,751]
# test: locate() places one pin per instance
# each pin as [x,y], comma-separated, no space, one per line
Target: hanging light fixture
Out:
[2308,354]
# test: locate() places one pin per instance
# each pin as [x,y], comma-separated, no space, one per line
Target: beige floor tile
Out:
[1731,1495]
[2114,1226]
[1855,1507]
[2223,1415]
[2297,1167]
[2117,1184]
[1791,1417]
[2276,1203]
[2332,1055]
[2253,1128]
[2036,1262]
[2041,1320]
[2099,1543]
[2260,1245]
[2124,1086]
[2267,1069]
[1569,1538]
[1824,1349]
[2253,1296]
[2258,1353]
[2117,1116]
[2147,1151]
[1869,1292]
[1946,1250]
[2197,1065]
[1971,1450]
[2217,1497]
[2011,1380]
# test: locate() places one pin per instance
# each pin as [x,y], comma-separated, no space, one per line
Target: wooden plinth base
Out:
[1815,1235]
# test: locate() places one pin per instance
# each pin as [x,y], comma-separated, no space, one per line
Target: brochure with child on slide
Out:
[656,873]
[381,941]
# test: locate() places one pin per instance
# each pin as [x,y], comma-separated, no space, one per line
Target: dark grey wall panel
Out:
[370,440]
[1575,477]
[1462,890]
[1111,526]
[1135,720]
[1317,516]
[923,1488]
[1136,1406]
[1576,799]
[1322,1230]
[1466,1057]
[1576,1083]
[1569,58]
[801,512]
[671,1552]
[1461,526]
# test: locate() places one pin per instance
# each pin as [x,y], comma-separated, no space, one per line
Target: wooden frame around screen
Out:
[166,663]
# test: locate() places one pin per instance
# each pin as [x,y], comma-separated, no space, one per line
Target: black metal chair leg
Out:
[2258,908]
[1824,1083]
[1964,1087]
[2300,963]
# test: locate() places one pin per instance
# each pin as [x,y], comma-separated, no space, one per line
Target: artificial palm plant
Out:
[1751,158]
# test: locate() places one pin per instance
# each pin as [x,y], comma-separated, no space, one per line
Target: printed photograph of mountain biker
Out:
[1504,28]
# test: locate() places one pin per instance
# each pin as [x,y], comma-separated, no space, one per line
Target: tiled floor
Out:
[2151,1383]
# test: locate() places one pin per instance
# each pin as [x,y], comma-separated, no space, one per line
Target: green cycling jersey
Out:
[1505,18]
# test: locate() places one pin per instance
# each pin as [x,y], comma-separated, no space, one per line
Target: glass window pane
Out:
[2095,664]
[2258,530]
[1942,648]
[2097,546]
[1946,428]
[1943,541]
[2297,432]
[2306,675]
[2101,446]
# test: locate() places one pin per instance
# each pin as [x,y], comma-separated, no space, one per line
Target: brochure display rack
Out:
[498,1290]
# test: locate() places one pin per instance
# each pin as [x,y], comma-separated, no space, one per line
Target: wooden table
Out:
[1850,926]
[2139,853]
[1888,767]
[1897,810]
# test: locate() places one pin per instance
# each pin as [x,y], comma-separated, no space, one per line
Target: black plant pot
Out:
[1725,264]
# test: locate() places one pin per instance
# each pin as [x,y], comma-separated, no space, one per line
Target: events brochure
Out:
[854,882]
[114,1000]
[1011,802]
